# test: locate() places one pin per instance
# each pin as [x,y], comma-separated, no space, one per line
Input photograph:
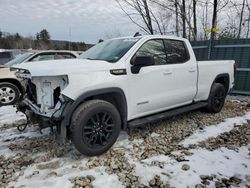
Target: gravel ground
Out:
[146,157]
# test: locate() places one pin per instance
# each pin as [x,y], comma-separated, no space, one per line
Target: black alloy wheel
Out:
[95,127]
[216,98]
[98,129]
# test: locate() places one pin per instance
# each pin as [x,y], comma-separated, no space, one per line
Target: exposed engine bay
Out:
[43,98]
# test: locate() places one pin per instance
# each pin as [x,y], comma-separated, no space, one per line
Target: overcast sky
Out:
[89,20]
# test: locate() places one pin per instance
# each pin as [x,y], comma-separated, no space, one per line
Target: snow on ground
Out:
[221,162]
[215,130]
[8,115]
[45,178]
[58,177]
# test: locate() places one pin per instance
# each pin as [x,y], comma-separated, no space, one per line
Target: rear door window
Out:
[176,51]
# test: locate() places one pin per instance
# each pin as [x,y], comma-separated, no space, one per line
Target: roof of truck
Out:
[151,36]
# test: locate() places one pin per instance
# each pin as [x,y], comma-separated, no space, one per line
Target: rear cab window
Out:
[176,51]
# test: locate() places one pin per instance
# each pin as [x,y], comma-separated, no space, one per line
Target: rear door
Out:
[184,71]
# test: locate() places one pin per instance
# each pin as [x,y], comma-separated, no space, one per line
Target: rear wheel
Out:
[216,98]
[95,127]
[9,94]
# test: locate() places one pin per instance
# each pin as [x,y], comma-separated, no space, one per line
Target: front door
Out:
[151,89]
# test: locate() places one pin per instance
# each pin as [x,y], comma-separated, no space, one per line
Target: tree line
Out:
[41,41]
[192,19]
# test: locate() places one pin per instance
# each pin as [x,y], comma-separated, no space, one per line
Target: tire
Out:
[9,94]
[216,98]
[91,136]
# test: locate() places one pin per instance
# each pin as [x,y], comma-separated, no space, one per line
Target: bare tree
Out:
[214,19]
[194,19]
[241,18]
[204,20]
[147,15]
[248,20]
[171,5]
[190,18]
[140,9]
[176,18]
[183,16]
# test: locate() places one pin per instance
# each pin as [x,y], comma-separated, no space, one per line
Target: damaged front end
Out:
[43,102]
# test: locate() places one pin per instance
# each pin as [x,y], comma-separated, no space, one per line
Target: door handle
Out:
[167,72]
[192,70]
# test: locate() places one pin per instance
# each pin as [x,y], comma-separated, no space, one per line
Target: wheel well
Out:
[113,95]
[224,80]
[14,82]
[116,99]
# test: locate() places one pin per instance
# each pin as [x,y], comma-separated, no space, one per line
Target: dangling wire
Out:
[22,127]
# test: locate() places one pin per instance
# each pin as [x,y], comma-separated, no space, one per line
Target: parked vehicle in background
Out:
[7,55]
[10,87]
[42,56]
[120,83]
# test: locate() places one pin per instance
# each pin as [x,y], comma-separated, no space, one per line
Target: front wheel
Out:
[9,94]
[95,127]
[216,98]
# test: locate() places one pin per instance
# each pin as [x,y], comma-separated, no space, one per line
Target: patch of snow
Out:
[44,179]
[154,135]
[215,130]
[146,171]
[123,141]
[236,101]
[14,135]
[9,116]
[203,162]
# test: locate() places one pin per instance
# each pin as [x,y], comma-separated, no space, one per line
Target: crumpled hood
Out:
[64,67]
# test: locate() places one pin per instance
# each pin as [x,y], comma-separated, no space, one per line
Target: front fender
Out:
[69,110]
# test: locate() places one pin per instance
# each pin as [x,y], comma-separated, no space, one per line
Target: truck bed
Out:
[208,71]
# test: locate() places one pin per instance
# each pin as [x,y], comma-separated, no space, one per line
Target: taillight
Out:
[235,69]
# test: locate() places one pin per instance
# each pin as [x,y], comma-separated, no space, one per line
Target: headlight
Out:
[21,73]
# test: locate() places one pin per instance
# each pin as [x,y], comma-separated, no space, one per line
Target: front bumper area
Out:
[33,112]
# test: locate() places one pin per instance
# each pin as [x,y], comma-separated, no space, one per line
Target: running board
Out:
[163,115]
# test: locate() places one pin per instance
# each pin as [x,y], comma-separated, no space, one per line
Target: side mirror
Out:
[141,61]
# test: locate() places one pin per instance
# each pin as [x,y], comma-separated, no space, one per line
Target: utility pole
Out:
[214,22]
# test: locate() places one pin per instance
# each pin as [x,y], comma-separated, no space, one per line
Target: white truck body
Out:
[120,83]
[156,88]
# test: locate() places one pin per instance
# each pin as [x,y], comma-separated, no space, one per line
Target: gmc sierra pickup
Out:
[121,83]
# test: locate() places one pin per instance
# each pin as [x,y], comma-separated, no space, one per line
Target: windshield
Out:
[19,59]
[110,50]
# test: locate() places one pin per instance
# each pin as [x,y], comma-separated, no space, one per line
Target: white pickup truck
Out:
[121,83]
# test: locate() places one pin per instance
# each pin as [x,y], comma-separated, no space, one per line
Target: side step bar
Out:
[163,115]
